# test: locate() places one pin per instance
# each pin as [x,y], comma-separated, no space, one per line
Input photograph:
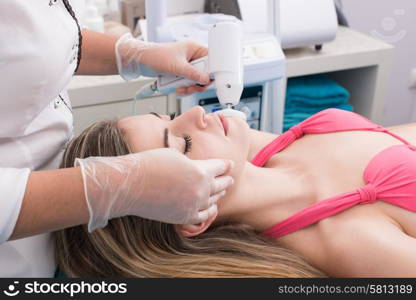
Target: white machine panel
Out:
[302,22]
[307,22]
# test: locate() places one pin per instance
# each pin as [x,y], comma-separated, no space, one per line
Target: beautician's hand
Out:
[135,57]
[160,184]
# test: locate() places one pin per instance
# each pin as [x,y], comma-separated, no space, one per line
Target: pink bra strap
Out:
[396,136]
[277,145]
[319,211]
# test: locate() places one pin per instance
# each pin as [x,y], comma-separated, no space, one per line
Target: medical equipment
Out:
[263,58]
[302,22]
[224,63]
[306,22]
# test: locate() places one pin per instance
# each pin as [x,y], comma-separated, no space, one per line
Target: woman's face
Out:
[194,133]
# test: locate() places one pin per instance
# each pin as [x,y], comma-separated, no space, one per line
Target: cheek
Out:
[234,147]
[208,146]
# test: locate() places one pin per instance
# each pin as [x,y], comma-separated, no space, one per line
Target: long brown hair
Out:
[136,247]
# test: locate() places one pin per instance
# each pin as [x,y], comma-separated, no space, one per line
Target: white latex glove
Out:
[135,58]
[160,184]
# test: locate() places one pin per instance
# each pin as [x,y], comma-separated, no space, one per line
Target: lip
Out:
[224,123]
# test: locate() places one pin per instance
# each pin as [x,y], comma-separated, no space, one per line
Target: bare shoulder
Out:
[402,126]
[406,131]
[373,246]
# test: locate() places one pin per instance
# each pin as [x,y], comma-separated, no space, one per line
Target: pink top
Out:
[390,176]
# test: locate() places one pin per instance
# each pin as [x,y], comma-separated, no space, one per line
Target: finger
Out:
[196,89]
[204,215]
[191,89]
[183,91]
[213,200]
[194,74]
[200,88]
[217,167]
[220,184]
[196,50]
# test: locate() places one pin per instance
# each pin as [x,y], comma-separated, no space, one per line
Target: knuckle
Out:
[190,43]
[186,44]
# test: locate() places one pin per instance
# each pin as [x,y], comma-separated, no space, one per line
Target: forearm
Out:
[53,200]
[97,54]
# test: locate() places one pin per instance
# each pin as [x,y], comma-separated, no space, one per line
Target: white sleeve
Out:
[12,189]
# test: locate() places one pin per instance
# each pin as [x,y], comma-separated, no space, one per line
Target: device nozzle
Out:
[232,113]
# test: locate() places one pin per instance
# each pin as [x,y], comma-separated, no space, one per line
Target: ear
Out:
[195,229]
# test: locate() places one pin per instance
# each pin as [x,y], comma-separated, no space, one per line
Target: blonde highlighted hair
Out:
[136,247]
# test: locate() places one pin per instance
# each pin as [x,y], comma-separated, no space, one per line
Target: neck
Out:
[262,197]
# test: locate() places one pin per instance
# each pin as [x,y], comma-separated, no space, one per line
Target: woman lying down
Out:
[333,196]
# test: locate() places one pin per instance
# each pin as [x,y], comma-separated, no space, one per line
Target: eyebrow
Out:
[165,132]
[155,114]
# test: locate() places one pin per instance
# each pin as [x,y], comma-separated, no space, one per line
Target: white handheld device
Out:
[168,83]
[224,64]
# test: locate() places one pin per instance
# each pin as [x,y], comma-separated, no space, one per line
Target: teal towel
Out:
[315,90]
[314,110]
[309,95]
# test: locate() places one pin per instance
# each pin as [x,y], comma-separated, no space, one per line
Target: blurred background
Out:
[395,23]
[365,62]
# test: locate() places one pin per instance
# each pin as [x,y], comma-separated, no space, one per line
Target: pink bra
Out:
[390,176]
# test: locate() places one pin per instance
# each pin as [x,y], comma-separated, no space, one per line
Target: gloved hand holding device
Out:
[138,58]
[160,184]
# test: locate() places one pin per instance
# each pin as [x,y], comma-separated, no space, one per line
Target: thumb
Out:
[194,74]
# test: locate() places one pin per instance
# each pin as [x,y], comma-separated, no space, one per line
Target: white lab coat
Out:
[38,56]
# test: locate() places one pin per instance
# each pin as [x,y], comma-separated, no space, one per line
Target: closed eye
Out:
[187,138]
[188,144]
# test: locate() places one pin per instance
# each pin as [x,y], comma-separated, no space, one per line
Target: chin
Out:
[240,124]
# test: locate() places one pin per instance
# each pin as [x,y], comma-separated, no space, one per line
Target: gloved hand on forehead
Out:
[161,184]
[138,58]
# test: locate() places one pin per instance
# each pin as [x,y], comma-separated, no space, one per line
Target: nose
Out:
[194,116]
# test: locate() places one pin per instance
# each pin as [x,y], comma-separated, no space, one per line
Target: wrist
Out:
[129,57]
[110,186]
